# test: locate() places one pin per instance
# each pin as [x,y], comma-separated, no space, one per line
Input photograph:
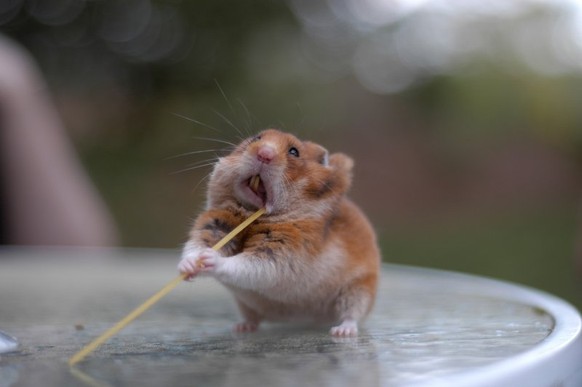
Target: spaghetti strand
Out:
[156,297]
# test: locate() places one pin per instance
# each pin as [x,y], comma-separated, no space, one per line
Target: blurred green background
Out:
[464,117]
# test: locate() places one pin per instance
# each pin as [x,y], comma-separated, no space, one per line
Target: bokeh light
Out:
[462,115]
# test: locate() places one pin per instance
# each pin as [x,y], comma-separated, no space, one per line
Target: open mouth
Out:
[256,185]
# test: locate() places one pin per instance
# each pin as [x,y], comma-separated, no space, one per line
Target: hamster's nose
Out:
[266,154]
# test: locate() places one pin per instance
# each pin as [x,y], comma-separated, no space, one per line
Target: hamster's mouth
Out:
[257,187]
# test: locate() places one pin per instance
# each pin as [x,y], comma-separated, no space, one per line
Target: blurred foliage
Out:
[496,105]
[526,248]
[425,94]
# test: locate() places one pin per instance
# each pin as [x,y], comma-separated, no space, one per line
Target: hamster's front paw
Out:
[188,266]
[190,263]
[209,261]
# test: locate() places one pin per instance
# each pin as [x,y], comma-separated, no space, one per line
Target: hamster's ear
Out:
[322,155]
[342,165]
[341,162]
[319,153]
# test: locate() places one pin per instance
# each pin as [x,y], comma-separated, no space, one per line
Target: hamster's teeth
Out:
[255,181]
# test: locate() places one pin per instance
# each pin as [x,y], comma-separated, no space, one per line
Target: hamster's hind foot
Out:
[246,327]
[348,328]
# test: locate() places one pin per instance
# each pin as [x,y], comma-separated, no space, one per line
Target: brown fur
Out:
[312,256]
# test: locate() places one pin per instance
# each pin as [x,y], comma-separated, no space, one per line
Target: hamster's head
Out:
[294,175]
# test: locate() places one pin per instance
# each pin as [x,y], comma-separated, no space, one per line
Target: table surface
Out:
[428,327]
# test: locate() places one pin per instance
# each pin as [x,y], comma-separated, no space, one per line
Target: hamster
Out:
[312,256]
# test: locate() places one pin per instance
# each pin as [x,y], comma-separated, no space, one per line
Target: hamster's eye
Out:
[256,138]
[294,151]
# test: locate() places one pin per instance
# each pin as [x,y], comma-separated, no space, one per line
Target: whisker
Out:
[209,160]
[217,140]
[191,168]
[249,117]
[205,162]
[229,122]
[286,183]
[231,107]
[206,177]
[224,95]
[192,153]
[196,122]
